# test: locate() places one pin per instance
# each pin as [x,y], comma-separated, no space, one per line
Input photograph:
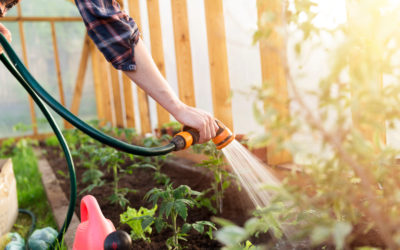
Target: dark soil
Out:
[236,204]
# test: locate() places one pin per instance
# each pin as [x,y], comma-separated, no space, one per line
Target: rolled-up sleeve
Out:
[112,30]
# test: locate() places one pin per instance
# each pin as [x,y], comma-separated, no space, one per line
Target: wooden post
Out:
[157,50]
[119,117]
[273,71]
[58,67]
[100,80]
[145,124]
[80,79]
[128,97]
[25,58]
[218,57]
[183,52]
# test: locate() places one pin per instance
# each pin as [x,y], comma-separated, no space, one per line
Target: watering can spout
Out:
[94,227]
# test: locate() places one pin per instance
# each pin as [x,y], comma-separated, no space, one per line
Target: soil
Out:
[236,204]
[182,171]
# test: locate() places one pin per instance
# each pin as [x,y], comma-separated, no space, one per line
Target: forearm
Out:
[148,77]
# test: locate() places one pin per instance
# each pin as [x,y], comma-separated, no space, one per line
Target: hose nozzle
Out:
[190,136]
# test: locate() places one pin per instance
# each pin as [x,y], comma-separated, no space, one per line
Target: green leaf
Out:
[231,235]
[159,224]
[222,222]
[147,221]
[198,227]
[168,208]
[91,175]
[181,209]
[320,234]
[186,228]
[340,231]
[180,192]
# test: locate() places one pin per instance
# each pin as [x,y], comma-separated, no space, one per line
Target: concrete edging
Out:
[57,198]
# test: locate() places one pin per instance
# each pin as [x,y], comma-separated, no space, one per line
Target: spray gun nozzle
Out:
[190,136]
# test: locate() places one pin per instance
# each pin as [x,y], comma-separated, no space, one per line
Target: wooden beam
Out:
[106,90]
[157,50]
[58,67]
[217,52]
[25,58]
[143,102]
[183,52]
[40,19]
[80,79]
[134,12]
[128,97]
[116,90]
[97,82]
[272,71]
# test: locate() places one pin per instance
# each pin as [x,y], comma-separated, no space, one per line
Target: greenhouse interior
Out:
[199,124]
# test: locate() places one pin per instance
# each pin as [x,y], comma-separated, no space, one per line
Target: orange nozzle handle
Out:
[190,136]
[224,136]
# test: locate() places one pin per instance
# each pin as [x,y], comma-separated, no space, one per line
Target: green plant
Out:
[113,159]
[174,203]
[31,194]
[92,176]
[155,161]
[222,178]
[349,178]
[139,221]
[51,141]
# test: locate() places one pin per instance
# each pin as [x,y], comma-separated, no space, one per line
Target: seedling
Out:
[174,203]
[139,221]
[113,160]
[92,176]
[222,178]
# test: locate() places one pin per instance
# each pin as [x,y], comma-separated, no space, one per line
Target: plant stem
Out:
[220,194]
[115,171]
[174,217]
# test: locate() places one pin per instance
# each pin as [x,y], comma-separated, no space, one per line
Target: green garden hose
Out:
[61,139]
[71,118]
[39,95]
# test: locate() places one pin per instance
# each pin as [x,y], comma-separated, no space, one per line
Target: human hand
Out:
[6,33]
[198,119]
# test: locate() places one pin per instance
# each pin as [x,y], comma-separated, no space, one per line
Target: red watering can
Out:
[94,227]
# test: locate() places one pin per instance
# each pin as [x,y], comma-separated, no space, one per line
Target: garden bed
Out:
[181,171]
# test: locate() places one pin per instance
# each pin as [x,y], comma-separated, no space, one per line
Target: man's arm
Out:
[148,77]
[116,35]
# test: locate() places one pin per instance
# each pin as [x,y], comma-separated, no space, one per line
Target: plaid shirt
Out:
[112,30]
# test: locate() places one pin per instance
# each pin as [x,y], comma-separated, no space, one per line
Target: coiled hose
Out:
[41,96]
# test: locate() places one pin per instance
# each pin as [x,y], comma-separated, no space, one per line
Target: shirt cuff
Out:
[130,63]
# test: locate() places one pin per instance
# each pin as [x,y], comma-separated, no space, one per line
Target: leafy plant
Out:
[174,203]
[222,178]
[51,141]
[155,161]
[176,126]
[349,178]
[92,176]
[113,160]
[139,221]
